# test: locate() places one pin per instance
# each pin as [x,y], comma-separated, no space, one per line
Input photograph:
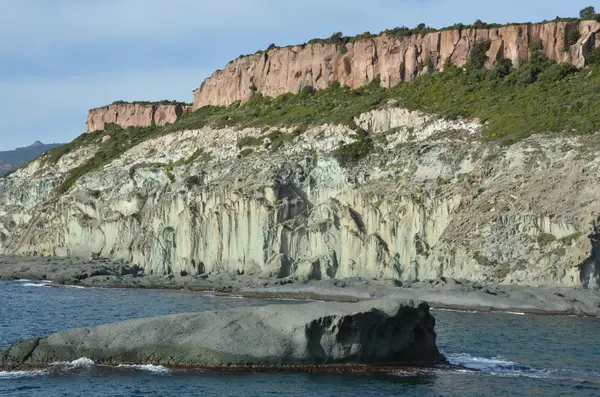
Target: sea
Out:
[503,354]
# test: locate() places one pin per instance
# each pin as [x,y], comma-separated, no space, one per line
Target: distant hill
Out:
[12,159]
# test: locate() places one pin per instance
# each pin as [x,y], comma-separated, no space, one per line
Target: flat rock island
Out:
[378,332]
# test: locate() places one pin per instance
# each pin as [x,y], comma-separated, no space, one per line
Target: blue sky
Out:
[59,58]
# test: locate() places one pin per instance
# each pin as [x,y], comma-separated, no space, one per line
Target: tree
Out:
[478,56]
[336,37]
[479,24]
[502,69]
[587,13]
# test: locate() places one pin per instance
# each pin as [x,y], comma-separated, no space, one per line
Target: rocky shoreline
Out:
[444,293]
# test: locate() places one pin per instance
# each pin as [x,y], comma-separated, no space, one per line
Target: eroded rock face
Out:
[289,69]
[374,332]
[132,115]
[433,201]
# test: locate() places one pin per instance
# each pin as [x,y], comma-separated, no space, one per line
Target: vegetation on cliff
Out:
[541,96]
[338,38]
[163,102]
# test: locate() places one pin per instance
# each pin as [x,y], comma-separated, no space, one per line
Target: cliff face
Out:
[133,115]
[288,70]
[433,201]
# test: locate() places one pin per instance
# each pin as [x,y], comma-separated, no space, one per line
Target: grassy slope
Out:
[538,97]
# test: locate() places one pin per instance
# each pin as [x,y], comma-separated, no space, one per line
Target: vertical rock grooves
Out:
[289,69]
[133,115]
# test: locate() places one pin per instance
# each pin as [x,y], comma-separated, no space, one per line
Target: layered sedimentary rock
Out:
[133,115]
[288,70]
[432,201]
[375,332]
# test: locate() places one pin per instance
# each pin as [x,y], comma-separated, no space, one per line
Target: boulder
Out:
[379,332]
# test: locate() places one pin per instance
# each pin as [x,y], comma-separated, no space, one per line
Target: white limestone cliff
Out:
[433,201]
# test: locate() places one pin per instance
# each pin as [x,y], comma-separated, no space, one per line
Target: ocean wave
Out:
[159,369]
[514,313]
[454,310]
[495,365]
[73,286]
[82,362]
[37,284]
[20,374]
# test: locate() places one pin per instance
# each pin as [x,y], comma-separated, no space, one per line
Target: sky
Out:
[60,58]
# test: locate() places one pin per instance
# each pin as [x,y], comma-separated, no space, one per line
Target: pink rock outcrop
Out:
[289,69]
[133,115]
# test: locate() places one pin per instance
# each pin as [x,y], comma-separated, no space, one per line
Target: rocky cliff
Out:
[133,115]
[288,70]
[433,200]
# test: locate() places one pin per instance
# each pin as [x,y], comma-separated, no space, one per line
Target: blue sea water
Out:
[508,354]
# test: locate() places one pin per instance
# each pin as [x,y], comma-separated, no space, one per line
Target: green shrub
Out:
[163,102]
[545,239]
[363,36]
[593,57]
[502,69]
[587,13]
[191,181]
[478,55]
[536,52]
[337,37]
[572,38]
[558,71]
[526,74]
[170,175]
[479,24]
[195,156]
[403,31]
[246,152]
[250,141]
[353,152]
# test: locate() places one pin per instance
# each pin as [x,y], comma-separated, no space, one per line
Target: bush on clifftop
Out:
[588,13]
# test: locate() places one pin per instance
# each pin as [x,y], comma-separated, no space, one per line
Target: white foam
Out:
[37,284]
[20,374]
[515,313]
[159,369]
[495,365]
[73,286]
[454,310]
[82,362]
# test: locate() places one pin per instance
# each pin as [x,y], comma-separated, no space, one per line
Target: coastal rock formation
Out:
[432,201]
[375,332]
[133,115]
[289,69]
